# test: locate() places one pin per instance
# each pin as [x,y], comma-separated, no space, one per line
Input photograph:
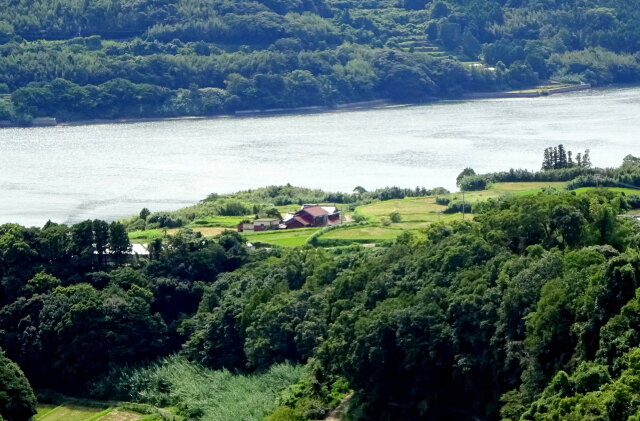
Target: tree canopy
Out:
[17,401]
[118,58]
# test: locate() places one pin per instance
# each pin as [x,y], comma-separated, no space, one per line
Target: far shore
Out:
[354,106]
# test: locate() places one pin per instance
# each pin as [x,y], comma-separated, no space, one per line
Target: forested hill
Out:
[529,311]
[78,59]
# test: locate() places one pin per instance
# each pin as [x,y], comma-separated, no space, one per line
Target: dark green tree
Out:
[119,243]
[17,401]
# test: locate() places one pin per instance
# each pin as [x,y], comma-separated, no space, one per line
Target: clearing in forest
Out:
[68,413]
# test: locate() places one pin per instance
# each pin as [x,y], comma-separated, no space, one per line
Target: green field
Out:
[146,236]
[219,221]
[413,209]
[288,208]
[93,411]
[362,234]
[70,413]
[499,189]
[43,410]
[425,209]
[630,192]
[286,238]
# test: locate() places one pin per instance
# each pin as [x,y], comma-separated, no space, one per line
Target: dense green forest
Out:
[529,311]
[83,59]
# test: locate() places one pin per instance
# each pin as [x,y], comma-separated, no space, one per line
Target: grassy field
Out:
[43,410]
[364,234]
[69,413]
[286,238]
[420,209]
[630,192]
[426,210]
[499,189]
[148,235]
[88,411]
[288,208]
[219,221]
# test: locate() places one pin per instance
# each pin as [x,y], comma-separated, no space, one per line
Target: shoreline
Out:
[319,109]
[530,93]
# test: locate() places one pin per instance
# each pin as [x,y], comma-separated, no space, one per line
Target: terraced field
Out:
[70,412]
[285,238]
[631,192]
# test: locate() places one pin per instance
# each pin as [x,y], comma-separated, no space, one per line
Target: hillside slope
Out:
[80,59]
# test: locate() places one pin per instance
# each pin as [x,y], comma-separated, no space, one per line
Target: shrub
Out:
[199,392]
[633,201]
[474,183]
[591,180]
[284,413]
[357,217]
[395,217]
[232,208]
[457,207]
[444,201]
[164,220]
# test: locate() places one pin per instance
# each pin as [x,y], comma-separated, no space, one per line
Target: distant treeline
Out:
[559,166]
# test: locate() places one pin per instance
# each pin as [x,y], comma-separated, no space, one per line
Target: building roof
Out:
[314,211]
[302,220]
[267,220]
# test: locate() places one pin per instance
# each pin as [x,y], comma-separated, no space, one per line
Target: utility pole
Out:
[463,205]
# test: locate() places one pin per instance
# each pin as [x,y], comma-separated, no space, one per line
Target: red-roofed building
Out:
[312,216]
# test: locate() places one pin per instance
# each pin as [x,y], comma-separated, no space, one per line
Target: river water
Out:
[108,171]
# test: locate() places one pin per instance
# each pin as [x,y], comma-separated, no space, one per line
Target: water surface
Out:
[68,174]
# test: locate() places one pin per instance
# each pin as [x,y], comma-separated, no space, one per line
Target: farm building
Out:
[262,224]
[312,216]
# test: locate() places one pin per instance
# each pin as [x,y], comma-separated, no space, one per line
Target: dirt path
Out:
[337,413]
[117,415]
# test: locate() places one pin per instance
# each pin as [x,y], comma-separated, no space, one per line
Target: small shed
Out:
[261,224]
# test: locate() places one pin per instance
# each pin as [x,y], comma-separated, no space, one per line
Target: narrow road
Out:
[337,413]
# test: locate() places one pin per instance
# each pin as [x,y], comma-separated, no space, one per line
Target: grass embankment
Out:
[212,395]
